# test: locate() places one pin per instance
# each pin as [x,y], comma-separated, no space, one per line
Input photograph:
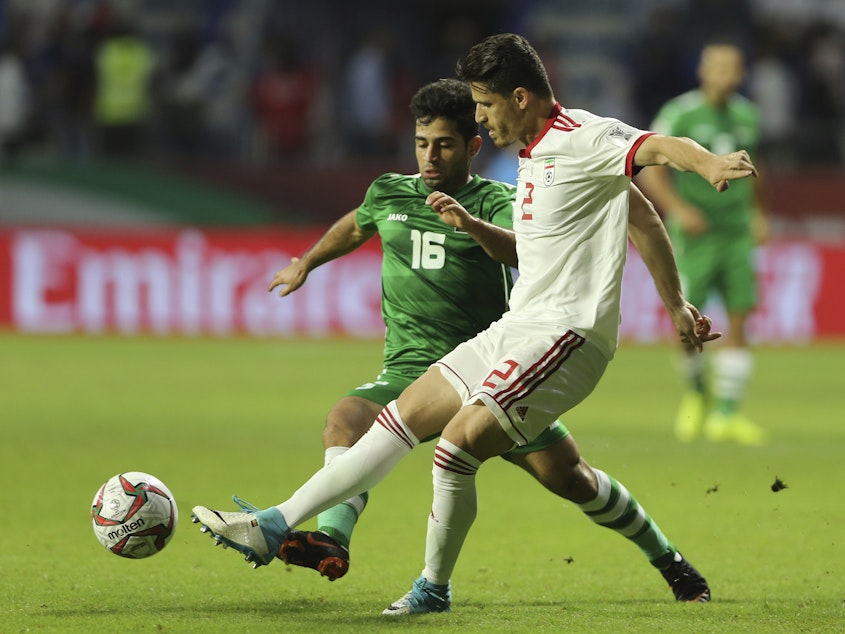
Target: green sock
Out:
[339,521]
[726,406]
[615,508]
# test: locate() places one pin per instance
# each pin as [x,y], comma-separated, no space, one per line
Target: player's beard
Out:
[502,136]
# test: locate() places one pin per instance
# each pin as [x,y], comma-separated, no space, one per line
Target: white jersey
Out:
[571,223]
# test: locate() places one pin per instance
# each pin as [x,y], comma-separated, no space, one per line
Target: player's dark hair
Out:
[449,99]
[503,63]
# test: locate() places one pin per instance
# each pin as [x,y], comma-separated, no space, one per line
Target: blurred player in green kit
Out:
[714,235]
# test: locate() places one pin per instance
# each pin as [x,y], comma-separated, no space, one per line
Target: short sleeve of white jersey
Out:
[605,147]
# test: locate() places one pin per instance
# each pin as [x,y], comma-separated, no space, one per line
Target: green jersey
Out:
[722,130]
[439,287]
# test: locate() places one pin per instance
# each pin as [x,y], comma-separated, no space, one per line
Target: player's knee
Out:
[343,429]
[574,482]
[585,485]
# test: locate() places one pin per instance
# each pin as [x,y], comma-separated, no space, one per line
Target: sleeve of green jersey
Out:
[498,205]
[365,216]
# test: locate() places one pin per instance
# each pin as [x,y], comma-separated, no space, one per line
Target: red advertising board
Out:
[800,296]
[181,281]
[189,281]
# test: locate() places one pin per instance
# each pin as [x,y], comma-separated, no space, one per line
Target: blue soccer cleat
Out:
[423,598]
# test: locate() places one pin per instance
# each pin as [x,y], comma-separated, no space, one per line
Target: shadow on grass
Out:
[321,613]
[330,611]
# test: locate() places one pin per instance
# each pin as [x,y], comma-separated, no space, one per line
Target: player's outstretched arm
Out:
[649,236]
[342,237]
[686,155]
[499,243]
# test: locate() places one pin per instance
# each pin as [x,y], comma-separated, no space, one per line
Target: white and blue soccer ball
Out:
[134,514]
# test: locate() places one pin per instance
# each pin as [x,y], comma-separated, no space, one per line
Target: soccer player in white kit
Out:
[547,353]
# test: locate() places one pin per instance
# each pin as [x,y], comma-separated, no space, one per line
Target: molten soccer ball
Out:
[134,515]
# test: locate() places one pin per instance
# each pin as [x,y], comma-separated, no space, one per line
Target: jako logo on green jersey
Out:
[399,217]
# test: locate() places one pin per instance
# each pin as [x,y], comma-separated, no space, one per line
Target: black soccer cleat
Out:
[315,549]
[686,582]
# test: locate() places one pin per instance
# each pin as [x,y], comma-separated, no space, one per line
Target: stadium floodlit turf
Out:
[216,417]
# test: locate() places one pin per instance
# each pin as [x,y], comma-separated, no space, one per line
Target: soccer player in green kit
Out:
[714,235]
[440,286]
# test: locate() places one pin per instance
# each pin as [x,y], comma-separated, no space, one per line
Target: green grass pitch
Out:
[216,417]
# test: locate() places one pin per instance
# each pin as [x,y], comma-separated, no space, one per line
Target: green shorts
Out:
[389,385]
[717,263]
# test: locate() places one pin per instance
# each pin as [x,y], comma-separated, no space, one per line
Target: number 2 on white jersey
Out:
[527,200]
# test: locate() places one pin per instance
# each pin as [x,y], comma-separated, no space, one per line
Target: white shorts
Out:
[527,374]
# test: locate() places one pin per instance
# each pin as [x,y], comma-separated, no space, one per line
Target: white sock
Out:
[331,453]
[452,511]
[360,468]
[731,371]
[356,501]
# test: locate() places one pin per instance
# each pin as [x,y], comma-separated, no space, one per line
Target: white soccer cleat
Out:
[258,535]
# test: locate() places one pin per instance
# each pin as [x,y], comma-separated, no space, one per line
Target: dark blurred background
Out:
[251,94]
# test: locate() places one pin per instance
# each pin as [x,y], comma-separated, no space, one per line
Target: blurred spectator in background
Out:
[72,80]
[14,100]
[823,108]
[226,98]
[283,97]
[124,65]
[194,92]
[369,94]
[655,63]
[182,94]
[773,86]
[456,37]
